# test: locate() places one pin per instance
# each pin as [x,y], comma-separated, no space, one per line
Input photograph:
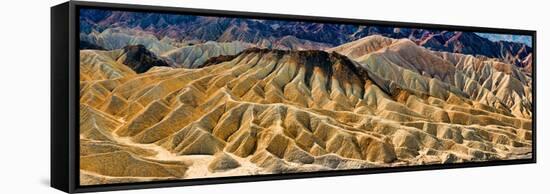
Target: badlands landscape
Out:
[165,97]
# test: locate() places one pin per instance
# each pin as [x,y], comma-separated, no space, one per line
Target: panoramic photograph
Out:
[166,96]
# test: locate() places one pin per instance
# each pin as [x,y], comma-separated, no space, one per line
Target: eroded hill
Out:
[273,111]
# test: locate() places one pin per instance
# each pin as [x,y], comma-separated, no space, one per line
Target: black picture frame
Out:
[65,103]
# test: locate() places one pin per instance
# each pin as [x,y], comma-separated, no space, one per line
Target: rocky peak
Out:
[140,59]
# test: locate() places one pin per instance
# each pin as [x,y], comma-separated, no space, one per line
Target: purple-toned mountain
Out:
[471,43]
[308,35]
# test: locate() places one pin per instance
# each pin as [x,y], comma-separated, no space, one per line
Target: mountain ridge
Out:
[277,110]
[270,33]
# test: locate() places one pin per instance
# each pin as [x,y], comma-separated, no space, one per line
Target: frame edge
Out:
[59,103]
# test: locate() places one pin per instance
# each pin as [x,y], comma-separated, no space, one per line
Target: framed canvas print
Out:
[146,96]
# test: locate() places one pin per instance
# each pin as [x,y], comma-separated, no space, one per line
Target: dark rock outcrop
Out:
[140,59]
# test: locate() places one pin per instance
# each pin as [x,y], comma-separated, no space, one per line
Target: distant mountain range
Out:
[279,34]
[527,40]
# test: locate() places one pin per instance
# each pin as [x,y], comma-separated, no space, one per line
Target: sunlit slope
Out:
[195,55]
[102,65]
[288,111]
[402,63]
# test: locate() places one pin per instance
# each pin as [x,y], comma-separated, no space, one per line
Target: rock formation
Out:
[262,111]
